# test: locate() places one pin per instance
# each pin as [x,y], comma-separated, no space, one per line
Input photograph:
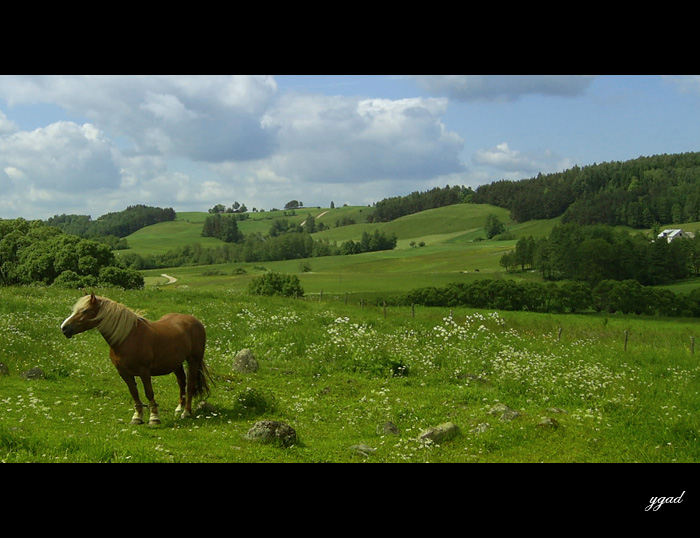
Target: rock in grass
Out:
[440,434]
[506,413]
[389,428]
[273,432]
[363,450]
[245,362]
[34,373]
[548,423]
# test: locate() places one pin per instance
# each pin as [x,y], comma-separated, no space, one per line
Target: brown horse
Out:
[140,348]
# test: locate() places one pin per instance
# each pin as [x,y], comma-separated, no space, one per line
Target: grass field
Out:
[452,250]
[337,374]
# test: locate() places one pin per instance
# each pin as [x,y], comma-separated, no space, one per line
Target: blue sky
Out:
[90,144]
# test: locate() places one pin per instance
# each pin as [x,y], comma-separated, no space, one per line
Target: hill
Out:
[450,238]
[636,193]
[442,245]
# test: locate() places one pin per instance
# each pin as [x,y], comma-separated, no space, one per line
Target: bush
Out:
[276,284]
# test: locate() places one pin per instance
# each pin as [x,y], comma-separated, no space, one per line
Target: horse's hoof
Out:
[186,415]
[136,422]
[154,422]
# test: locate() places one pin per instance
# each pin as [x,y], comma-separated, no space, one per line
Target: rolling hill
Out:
[451,238]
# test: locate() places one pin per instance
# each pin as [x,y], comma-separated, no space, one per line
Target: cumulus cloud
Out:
[209,118]
[339,139]
[503,87]
[6,126]
[192,140]
[517,163]
[63,156]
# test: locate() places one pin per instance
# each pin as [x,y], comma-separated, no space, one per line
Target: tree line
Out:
[32,252]
[609,296]
[636,193]
[595,253]
[394,208]
[112,228]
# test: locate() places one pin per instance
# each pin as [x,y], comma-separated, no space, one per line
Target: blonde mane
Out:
[115,321]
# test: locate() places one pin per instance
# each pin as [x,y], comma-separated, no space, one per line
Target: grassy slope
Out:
[450,251]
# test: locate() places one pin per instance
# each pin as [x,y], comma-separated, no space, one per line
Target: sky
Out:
[94,144]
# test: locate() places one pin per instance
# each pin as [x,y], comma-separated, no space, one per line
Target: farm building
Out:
[672,235]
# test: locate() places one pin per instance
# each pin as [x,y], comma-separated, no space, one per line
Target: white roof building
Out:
[672,235]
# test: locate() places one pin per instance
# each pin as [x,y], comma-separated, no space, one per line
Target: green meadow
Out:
[435,247]
[578,388]
[338,374]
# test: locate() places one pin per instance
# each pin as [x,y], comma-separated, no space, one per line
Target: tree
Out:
[222,227]
[509,261]
[310,225]
[493,226]
[276,284]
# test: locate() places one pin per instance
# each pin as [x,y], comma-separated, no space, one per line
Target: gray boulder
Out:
[440,434]
[273,432]
[245,362]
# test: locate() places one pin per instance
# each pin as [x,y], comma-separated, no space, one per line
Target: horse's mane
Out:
[115,321]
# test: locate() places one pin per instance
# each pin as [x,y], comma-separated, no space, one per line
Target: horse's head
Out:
[83,317]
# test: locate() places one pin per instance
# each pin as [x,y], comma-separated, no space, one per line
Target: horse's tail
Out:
[202,389]
[204,378]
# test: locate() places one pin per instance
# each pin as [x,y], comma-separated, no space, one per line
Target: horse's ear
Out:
[93,299]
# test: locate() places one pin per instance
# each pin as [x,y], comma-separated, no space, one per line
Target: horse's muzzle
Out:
[67,331]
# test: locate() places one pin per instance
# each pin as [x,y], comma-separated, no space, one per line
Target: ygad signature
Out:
[658,502]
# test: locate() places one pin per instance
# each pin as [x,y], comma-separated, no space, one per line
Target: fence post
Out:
[626,339]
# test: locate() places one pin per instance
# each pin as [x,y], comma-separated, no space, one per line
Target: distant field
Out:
[451,250]
[452,237]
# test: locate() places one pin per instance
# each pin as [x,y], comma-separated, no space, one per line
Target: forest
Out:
[112,228]
[33,252]
[394,208]
[638,193]
[595,253]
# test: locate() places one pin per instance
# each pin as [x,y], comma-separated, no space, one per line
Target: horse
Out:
[144,349]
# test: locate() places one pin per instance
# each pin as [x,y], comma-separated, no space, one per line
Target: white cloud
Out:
[6,126]
[63,156]
[343,139]
[210,118]
[503,87]
[518,164]
[191,141]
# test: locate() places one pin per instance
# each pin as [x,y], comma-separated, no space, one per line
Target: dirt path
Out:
[171,280]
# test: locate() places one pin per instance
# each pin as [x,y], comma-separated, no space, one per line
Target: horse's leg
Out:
[182,382]
[137,420]
[148,389]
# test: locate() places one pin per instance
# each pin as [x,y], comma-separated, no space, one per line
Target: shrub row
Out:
[609,296]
